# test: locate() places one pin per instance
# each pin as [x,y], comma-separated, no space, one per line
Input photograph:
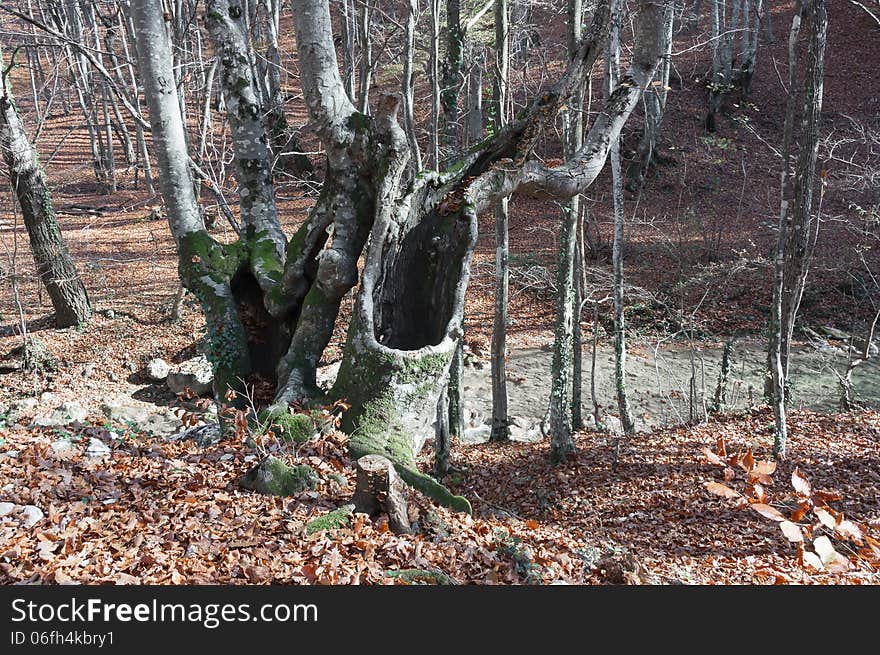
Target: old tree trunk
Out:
[54,264]
[271,302]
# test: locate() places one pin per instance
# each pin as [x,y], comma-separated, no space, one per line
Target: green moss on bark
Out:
[289,427]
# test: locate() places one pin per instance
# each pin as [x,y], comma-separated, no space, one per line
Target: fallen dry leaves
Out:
[160,512]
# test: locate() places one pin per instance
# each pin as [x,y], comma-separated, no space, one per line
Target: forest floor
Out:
[154,511]
[158,511]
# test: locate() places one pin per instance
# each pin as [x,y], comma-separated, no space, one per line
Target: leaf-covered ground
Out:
[154,511]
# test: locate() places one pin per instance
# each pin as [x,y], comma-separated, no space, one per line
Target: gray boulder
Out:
[64,414]
[159,422]
[195,374]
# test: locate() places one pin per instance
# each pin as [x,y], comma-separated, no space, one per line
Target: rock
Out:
[109,313]
[6,508]
[158,369]
[64,414]
[338,518]
[63,448]
[88,370]
[275,478]
[159,422]
[289,427]
[48,398]
[195,374]
[97,448]
[20,407]
[31,515]
[112,377]
[476,435]
[524,429]
[203,435]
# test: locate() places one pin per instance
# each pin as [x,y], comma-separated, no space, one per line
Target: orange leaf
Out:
[767,511]
[798,514]
[763,467]
[722,451]
[748,461]
[721,490]
[532,524]
[791,531]
[825,496]
[800,483]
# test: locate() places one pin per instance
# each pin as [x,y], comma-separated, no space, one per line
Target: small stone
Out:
[31,515]
[112,377]
[97,448]
[88,370]
[109,313]
[63,448]
[6,508]
[158,369]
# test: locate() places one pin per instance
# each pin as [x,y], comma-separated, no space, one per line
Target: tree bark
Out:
[54,265]
[798,227]
[611,73]
[416,235]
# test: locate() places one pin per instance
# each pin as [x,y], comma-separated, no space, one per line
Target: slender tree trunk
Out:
[500,418]
[567,306]
[452,76]
[797,226]
[409,124]
[611,78]
[474,125]
[365,45]
[434,62]
[655,106]
[54,265]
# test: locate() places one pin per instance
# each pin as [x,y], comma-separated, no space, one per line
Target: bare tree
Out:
[417,236]
[498,357]
[54,265]
[797,228]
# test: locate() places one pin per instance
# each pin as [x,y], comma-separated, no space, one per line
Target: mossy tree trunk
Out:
[54,264]
[271,303]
